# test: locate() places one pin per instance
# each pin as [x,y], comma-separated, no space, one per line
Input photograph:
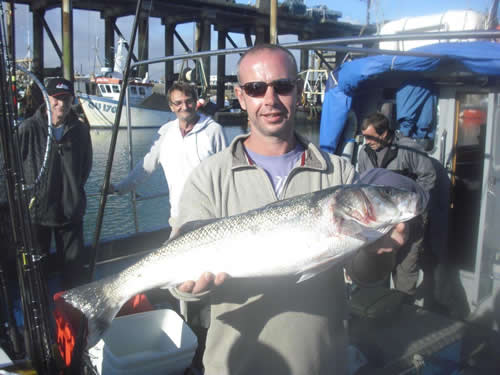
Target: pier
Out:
[226,17]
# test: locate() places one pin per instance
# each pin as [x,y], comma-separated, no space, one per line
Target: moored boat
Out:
[101,110]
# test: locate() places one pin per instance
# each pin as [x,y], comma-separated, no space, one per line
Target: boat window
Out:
[142,92]
[467,176]
[116,88]
[102,88]
[108,89]
[472,119]
[133,90]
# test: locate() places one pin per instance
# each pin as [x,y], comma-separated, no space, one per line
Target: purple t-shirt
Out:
[278,167]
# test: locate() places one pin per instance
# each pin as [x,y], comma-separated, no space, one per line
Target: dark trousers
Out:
[71,258]
[408,257]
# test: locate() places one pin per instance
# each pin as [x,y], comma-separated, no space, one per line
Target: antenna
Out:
[28,50]
[96,54]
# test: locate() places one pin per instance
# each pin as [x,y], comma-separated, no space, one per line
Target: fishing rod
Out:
[33,293]
[80,342]
[112,146]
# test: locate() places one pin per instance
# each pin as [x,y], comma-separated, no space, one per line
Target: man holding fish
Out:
[278,326]
[269,257]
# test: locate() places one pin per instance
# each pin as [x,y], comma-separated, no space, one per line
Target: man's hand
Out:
[111,189]
[375,262]
[393,241]
[205,282]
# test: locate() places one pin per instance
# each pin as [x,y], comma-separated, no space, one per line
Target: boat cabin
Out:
[463,83]
[110,88]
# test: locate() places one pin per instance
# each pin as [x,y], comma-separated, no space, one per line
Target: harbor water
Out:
[118,220]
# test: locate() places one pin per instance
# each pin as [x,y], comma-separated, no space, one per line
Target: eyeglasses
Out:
[258,89]
[188,102]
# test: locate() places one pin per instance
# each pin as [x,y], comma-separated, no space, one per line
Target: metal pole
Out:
[336,44]
[53,40]
[273,27]
[67,28]
[112,146]
[11,27]
[131,160]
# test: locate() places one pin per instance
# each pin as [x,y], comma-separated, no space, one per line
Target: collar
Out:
[312,158]
[200,125]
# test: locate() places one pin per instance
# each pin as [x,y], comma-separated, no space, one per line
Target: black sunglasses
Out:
[281,86]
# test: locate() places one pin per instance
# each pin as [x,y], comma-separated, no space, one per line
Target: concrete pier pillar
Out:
[261,34]
[143,45]
[37,66]
[202,42]
[169,51]
[304,53]
[221,68]
[109,41]
[248,38]
[67,39]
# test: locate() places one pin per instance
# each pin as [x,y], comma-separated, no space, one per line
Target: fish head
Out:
[376,206]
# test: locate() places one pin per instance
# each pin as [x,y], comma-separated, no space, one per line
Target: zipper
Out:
[295,170]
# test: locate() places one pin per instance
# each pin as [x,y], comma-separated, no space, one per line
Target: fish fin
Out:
[359,231]
[97,304]
[350,228]
[306,276]
[190,226]
[317,268]
[370,235]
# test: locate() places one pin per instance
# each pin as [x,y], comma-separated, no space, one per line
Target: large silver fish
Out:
[301,235]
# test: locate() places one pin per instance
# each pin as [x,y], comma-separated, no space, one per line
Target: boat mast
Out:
[491,22]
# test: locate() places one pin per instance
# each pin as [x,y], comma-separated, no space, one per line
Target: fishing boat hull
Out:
[101,113]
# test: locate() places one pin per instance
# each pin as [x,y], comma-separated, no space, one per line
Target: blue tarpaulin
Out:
[415,109]
[477,57]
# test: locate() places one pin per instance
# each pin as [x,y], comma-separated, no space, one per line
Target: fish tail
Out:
[98,302]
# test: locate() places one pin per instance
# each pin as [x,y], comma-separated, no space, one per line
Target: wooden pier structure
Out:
[225,16]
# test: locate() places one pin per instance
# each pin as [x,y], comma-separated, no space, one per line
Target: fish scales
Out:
[301,235]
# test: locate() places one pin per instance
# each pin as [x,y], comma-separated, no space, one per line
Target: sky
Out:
[89,28]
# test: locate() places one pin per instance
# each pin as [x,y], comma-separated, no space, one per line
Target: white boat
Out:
[147,109]
[101,110]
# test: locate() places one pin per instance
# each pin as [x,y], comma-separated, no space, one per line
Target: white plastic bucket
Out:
[153,342]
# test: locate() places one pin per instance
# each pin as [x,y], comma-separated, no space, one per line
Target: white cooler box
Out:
[153,342]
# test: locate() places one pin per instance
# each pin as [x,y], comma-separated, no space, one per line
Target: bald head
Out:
[273,48]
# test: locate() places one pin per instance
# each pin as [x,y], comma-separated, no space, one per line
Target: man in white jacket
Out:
[182,145]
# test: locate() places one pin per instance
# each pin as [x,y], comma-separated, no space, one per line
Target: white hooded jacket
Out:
[177,155]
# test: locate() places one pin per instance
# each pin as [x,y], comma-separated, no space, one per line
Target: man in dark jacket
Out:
[58,201]
[383,149]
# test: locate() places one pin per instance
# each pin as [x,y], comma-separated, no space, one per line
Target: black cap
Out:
[59,87]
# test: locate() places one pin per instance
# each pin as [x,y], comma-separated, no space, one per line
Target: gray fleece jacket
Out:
[264,326]
[404,157]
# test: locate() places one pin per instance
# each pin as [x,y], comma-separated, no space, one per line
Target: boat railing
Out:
[139,197]
[314,79]
[342,44]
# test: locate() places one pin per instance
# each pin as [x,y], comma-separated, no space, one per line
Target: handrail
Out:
[442,146]
[336,44]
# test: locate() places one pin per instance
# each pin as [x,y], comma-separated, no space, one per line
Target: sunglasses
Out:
[258,89]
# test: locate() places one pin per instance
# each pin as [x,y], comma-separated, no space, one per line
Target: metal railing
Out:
[331,44]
